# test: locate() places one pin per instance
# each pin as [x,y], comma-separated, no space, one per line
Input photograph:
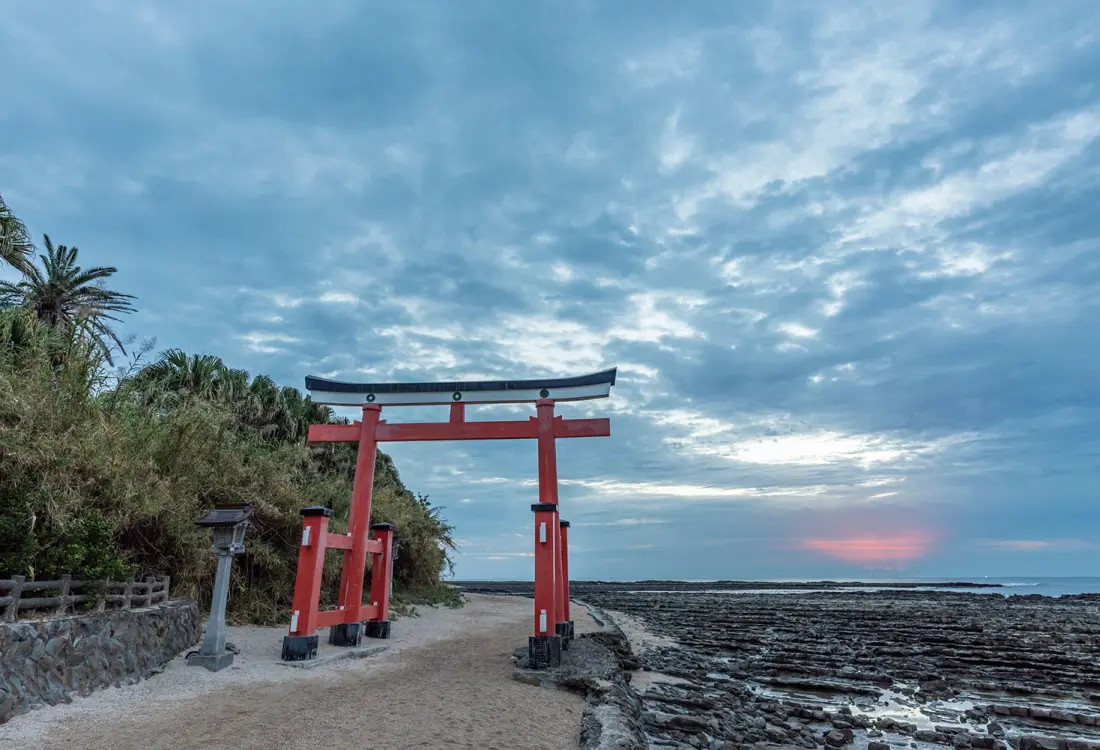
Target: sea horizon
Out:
[1003,585]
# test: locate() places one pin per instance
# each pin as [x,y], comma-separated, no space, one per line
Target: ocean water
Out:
[1006,586]
[1044,586]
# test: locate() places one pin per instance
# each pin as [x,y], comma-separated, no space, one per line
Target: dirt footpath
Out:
[445,682]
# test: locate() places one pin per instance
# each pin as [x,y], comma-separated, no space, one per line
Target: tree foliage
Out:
[67,297]
[15,244]
[103,472]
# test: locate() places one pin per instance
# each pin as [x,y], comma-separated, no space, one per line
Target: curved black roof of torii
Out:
[338,386]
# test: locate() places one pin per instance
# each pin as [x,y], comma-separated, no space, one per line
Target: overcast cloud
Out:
[843,254]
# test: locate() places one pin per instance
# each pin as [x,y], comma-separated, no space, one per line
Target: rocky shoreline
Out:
[597,665]
[870,670]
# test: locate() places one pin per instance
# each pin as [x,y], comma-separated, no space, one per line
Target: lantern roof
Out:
[227,514]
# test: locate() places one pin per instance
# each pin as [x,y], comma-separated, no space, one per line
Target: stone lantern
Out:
[229,523]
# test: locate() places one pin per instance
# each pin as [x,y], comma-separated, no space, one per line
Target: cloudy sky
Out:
[845,255]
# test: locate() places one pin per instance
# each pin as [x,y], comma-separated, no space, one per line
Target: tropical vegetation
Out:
[104,468]
[15,243]
[64,296]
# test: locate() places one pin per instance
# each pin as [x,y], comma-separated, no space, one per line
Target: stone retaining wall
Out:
[46,662]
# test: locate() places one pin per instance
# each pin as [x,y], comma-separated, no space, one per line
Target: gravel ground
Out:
[445,681]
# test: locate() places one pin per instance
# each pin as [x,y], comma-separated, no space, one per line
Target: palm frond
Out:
[61,294]
[15,243]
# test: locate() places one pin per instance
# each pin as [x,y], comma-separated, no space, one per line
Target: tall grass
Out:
[97,485]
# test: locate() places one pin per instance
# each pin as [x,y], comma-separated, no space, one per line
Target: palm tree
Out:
[64,296]
[15,244]
[176,376]
[279,414]
[19,333]
[265,410]
[303,412]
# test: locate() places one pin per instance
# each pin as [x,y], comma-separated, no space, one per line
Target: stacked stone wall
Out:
[47,662]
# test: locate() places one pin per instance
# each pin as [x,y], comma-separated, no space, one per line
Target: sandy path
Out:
[444,682]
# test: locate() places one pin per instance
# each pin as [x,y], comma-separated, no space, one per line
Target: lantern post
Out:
[229,523]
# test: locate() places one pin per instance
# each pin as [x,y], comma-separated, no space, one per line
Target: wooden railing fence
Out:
[124,595]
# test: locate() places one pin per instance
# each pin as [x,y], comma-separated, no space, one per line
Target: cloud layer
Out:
[844,257]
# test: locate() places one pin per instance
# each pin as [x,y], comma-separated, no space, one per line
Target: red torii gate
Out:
[351,620]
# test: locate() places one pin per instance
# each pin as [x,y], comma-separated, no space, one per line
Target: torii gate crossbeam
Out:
[553,628]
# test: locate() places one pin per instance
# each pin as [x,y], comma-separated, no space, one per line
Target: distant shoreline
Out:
[579,587]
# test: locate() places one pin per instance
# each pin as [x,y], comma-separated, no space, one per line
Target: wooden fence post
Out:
[127,594]
[150,581]
[167,581]
[101,596]
[64,586]
[12,613]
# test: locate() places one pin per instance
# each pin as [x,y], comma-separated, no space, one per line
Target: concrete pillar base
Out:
[565,632]
[299,647]
[346,634]
[377,629]
[213,662]
[544,651]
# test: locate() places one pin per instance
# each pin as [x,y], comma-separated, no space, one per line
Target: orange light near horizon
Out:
[875,550]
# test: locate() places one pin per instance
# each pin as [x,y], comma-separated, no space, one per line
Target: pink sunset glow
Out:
[874,549]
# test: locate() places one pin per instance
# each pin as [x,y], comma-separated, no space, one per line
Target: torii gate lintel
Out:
[459,429]
[553,628]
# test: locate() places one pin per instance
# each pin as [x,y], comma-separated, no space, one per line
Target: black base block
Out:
[377,629]
[562,629]
[346,634]
[299,647]
[544,651]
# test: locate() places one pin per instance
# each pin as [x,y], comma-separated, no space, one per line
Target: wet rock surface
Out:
[873,670]
[866,669]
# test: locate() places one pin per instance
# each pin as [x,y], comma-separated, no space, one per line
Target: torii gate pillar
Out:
[551,631]
[565,621]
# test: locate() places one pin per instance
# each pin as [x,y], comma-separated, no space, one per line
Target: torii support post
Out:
[381,575]
[301,643]
[544,647]
[565,622]
[349,631]
[352,618]
[559,590]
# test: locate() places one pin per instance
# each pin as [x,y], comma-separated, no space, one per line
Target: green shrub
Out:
[104,483]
